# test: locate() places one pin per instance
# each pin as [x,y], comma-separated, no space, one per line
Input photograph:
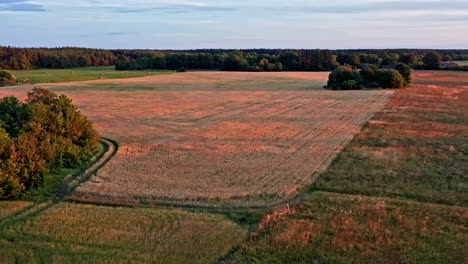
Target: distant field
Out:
[93,68]
[73,233]
[461,62]
[72,75]
[440,78]
[208,81]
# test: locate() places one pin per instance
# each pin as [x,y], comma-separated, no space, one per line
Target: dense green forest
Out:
[44,133]
[224,59]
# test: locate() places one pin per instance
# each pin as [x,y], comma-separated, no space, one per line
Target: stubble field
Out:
[253,145]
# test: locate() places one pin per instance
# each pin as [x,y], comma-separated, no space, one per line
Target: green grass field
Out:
[79,74]
[336,228]
[461,62]
[76,233]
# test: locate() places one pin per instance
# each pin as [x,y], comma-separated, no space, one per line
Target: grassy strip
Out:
[51,76]
[336,228]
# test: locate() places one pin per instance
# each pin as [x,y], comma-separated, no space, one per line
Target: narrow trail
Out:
[109,148]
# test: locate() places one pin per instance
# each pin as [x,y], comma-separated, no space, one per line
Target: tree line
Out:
[44,133]
[313,60]
[53,58]
[224,59]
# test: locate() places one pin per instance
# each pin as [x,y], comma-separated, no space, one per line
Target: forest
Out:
[259,60]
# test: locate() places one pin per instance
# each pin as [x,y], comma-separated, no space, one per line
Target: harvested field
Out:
[73,233]
[208,81]
[221,145]
[200,145]
[440,78]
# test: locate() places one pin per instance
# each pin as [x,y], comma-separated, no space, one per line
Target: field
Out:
[396,193]
[79,74]
[461,62]
[426,124]
[414,153]
[336,228]
[74,233]
[249,146]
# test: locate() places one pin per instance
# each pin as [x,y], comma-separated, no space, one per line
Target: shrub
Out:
[391,79]
[182,69]
[349,85]
[6,78]
[374,85]
[341,74]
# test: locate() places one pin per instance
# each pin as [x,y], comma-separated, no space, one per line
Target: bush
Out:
[181,69]
[6,78]
[405,71]
[369,73]
[374,85]
[349,85]
[391,79]
[341,74]
[45,133]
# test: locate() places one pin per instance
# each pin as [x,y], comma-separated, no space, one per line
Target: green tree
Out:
[349,85]
[342,74]
[290,60]
[369,73]
[44,133]
[408,58]
[6,78]
[391,79]
[352,60]
[432,61]
[405,71]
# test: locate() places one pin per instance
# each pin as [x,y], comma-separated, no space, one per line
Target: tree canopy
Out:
[44,133]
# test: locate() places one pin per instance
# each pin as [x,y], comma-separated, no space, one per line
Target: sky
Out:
[240,24]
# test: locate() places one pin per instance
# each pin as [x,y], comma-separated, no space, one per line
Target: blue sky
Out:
[183,24]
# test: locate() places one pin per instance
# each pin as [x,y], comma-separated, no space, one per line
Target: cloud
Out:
[20,6]
[384,7]
[117,33]
[173,9]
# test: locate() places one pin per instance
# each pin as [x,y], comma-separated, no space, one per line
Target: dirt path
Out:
[109,148]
